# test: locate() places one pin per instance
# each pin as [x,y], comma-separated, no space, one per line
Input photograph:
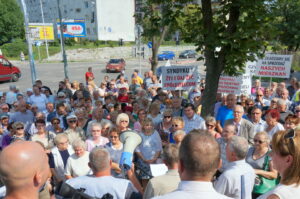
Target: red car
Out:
[8,71]
[115,65]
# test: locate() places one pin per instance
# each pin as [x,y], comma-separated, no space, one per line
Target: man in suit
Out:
[161,185]
[244,128]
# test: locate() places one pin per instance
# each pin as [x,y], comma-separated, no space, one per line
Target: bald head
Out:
[24,166]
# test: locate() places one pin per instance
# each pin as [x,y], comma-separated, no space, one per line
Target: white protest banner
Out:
[274,66]
[179,77]
[236,85]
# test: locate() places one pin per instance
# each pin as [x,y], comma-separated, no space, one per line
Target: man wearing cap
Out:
[73,132]
[11,95]
[38,98]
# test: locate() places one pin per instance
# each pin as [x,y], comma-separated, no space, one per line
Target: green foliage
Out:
[56,42]
[286,22]
[70,42]
[11,21]
[14,49]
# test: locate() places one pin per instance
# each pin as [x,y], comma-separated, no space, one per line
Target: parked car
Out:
[188,54]
[165,55]
[115,65]
[8,71]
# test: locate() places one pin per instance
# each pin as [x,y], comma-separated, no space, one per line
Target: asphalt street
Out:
[52,73]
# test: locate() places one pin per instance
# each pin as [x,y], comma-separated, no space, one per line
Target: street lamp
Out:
[28,39]
[62,41]
[44,29]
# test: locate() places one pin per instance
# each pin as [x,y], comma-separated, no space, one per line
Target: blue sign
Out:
[150,44]
[72,29]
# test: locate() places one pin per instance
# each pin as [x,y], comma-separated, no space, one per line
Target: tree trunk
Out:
[154,59]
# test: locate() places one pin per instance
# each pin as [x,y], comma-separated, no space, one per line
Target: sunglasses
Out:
[175,125]
[56,123]
[290,135]
[209,125]
[20,128]
[297,111]
[72,121]
[259,141]
[167,116]
[259,95]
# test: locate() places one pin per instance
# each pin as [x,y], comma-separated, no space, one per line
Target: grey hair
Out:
[105,122]
[239,145]
[281,102]
[122,116]
[266,136]
[79,143]
[178,132]
[99,159]
[91,125]
[59,137]
[240,107]
[210,119]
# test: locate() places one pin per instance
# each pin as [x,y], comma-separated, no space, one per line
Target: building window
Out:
[78,9]
[86,3]
[88,31]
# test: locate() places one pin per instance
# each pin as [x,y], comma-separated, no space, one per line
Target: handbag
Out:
[262,184]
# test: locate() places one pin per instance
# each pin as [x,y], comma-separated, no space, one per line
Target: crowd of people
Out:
[248,148]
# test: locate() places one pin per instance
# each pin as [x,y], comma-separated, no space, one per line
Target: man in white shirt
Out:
[38,98]
[161,185]
[237,180]
[101,182]
[199,159]
[191,119]
[259,124]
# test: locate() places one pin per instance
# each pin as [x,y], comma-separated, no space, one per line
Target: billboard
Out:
[179,77]
[40,31]
[72,28]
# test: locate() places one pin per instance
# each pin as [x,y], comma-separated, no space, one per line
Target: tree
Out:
[229,33]
[157,18]
[286,23]
[11,23]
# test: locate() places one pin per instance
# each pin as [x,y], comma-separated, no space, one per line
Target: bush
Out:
[14,49]
[70,42]
[56,42]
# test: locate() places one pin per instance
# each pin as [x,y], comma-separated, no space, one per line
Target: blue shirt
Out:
[224,114]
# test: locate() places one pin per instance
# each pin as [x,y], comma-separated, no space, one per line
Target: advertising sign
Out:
[236,85]
[40,31]
[274,66]
[179,77]
[72,28]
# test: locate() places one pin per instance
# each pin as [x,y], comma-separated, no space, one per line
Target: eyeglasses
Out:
[259,141]
[259,95]
[255,113]
[72,121]
[167,116]
[175,125]
[209,125]
[54,123]
[124,121]
[113,137]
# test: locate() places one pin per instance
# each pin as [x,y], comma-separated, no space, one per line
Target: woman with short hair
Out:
[272,118]
[96,140]
[165,126]
[17,132]
[77,164]
[122,122]
[43,136]
[257,157]
[211,123]
[291,122]
[285,156]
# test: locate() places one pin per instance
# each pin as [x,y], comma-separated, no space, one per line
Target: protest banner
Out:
[179,77]
[273,65]
[235,84]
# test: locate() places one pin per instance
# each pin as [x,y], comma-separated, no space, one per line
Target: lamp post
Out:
[44,29]
[62,42]
[28,39]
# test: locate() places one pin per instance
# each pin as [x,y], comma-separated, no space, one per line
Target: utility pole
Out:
[44,30]
[62,41]
[28,39]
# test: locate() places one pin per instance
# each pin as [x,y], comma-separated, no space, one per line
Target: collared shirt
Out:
[222,143]
[161,185]
[196,122]
[237,126]
[195,190]
[259,126]
[237,181]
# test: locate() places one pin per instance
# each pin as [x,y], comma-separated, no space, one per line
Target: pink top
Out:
[253,90]
[90,143]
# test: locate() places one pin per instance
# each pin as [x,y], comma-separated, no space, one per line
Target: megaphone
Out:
[131,139]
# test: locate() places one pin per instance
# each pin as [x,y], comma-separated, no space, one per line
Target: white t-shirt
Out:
[283,192]
[78,166]
[99,186]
